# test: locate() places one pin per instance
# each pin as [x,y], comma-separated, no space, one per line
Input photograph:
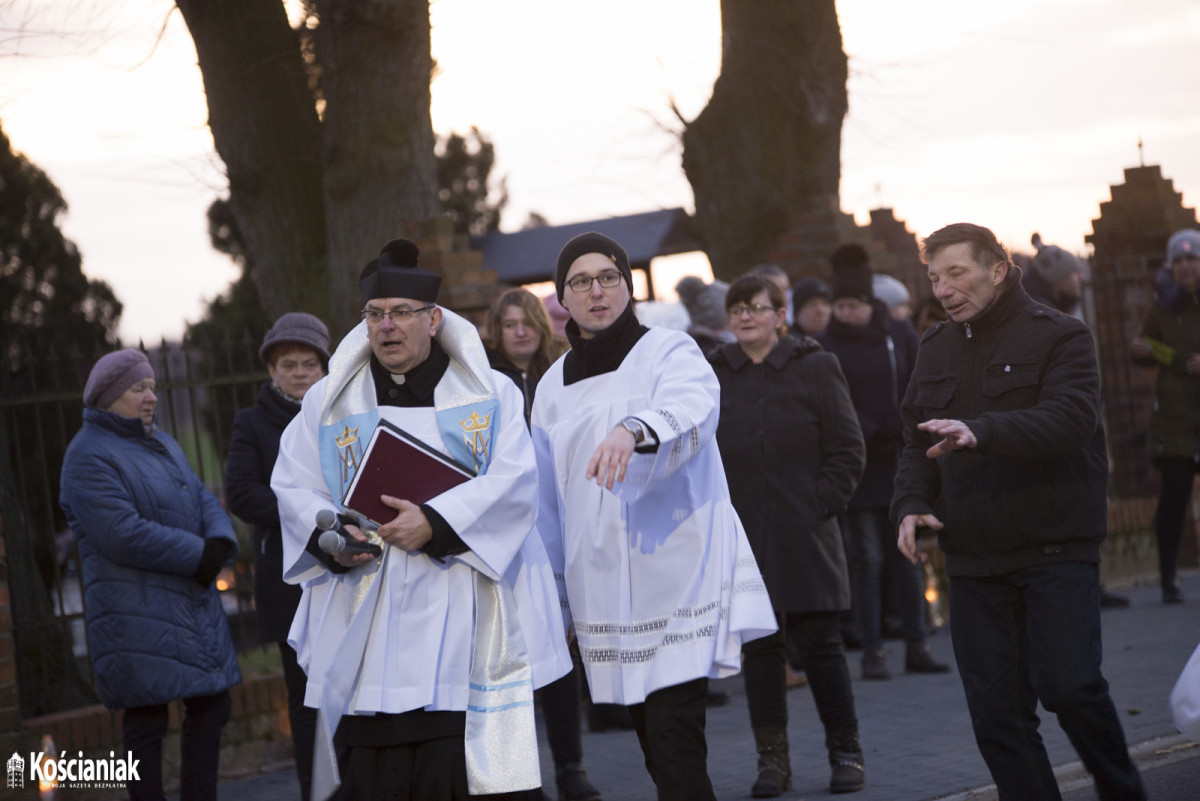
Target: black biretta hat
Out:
[395,274]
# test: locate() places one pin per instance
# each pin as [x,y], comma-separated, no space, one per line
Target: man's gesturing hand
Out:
[906,540]
[954,433]
[611,458]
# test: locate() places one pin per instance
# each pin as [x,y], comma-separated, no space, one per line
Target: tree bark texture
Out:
[767,147]
[265,127]
[378,141]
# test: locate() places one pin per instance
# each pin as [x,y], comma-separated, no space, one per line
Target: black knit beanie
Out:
[852,273]
[591,242]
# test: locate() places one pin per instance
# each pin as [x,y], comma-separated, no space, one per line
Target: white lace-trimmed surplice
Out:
[657,575]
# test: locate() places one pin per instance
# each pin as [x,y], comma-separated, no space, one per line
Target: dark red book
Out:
[398,464]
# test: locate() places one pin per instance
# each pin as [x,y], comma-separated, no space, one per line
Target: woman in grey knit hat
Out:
[152,540]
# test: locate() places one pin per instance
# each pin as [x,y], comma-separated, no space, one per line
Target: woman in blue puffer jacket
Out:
[151,541]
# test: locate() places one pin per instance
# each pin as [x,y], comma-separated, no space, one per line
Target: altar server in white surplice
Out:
[659,581]
[422,662]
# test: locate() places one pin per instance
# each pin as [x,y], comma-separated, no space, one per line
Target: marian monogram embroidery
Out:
[349,454]
[476,437]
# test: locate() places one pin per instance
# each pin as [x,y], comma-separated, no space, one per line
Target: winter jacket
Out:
[877,360]
[1023,377]
[793,453]
[252,451]
[140,517]
[1174,320]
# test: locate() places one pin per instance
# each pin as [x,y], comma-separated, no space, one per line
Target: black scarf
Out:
[604,352]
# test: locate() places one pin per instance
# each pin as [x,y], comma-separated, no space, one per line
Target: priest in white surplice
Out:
[659,581]
[423,660]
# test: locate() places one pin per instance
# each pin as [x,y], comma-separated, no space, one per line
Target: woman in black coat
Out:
[296,352]
[793,454]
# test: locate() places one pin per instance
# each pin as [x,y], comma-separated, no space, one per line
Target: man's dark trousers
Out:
[1034,634]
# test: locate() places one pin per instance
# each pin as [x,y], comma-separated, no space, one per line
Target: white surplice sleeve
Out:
[684,406]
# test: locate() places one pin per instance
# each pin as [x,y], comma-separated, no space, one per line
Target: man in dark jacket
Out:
[876,353]
[1004,456]
[295,351]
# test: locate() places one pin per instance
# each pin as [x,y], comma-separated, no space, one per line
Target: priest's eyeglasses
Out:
[398,316]
[754,309]
[583,283]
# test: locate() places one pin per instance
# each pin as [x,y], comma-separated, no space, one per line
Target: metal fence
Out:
[199,390]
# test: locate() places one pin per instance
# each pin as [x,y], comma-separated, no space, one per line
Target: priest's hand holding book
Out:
[409,530]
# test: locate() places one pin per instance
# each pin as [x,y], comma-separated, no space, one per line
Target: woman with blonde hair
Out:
[520,341]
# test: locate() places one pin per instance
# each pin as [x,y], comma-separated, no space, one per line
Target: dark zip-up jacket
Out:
[1023,377]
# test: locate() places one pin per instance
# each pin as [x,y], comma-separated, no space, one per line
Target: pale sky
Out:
[1018,116]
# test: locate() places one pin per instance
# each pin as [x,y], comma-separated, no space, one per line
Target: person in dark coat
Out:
[1053,277]
[151,541]
[876,353]
[296,352]
[793,454]
[1170,341]
[1005,458]
[520,342]
[812,305]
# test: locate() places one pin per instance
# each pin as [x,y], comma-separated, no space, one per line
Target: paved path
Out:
[916,733]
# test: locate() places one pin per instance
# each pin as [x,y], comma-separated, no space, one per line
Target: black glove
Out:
[217,552]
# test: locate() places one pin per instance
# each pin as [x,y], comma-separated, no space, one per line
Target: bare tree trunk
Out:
[767,146]
[378,135]
[264,123]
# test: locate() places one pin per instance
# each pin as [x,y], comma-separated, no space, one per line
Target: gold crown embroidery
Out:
[348,437]
[475,423]
[475,436]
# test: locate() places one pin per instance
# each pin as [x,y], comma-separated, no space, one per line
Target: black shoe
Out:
[848,775]
[573,784]
[1172,594]
[1110,601]
[920,660]
[874,665]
